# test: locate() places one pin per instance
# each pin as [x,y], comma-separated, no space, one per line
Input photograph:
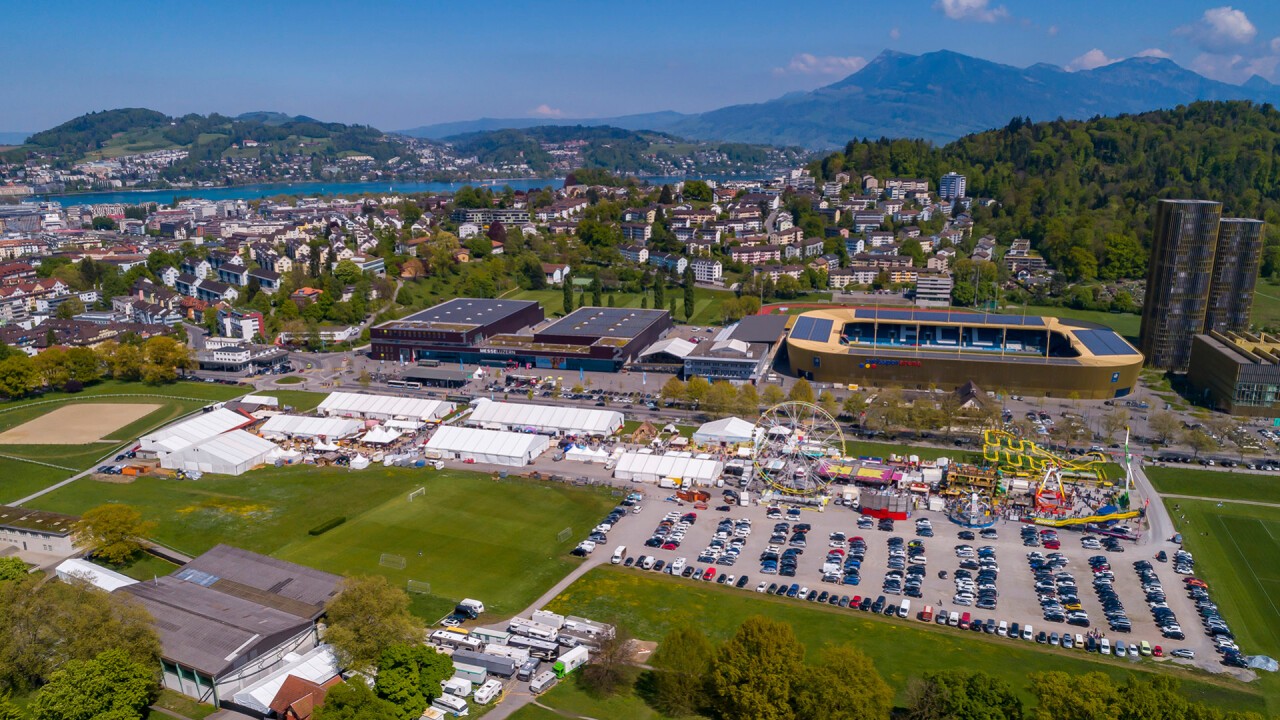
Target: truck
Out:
[548,618]
[744,498]
[493,664]
[543,682]
[487,692]
[668,483]
[571,660]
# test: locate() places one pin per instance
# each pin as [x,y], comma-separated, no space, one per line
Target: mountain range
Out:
[937,96]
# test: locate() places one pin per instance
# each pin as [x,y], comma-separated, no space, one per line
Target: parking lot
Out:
[1018,597]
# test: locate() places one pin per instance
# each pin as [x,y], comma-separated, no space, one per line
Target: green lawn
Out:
[1215,483]
[706,302]
[1236,547]
[1126,324]
[181,704]
[19,479]
[650,605]
[571,698]
[143,567]
[299,400]
[1266,306]
[479,537]
[289,380]
[533,712]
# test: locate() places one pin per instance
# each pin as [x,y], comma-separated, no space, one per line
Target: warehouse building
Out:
[184,434]
[919,349]
[550,419]
[231,617]
[1237,373]
[232,453]
[689,470]
[384,407]
[493,447]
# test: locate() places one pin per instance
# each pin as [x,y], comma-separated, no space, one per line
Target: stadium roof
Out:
[605,322]
[948,316]
[343,403]
[568,420]
[182,435]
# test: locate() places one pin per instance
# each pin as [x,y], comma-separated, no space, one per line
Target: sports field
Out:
[649,605]
[479,537]
[1215,483]
[77,424]
[1236,547]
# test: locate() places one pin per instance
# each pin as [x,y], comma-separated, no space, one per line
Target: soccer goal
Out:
[419,587]
[564,534]
[417,493]
[392,561]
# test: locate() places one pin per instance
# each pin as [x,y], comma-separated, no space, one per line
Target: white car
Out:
[764,585]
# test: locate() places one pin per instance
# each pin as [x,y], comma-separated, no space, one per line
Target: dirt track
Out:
[77,424]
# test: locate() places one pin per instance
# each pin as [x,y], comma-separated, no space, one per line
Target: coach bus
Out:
[410,384]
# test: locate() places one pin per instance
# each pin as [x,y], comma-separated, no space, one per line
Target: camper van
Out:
[452,705]
[619,553]
[460,687]
[487,692]
[543,682]
[904,609]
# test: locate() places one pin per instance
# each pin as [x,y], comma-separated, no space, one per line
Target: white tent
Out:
[233,453]
[674,346]
[301,426]
[545,418]
[583,454]
[644,467]
[380,436]
[319,666]
[728,430]
[384,407]
[182,435]
[488,446]
[263,400]
[76,569]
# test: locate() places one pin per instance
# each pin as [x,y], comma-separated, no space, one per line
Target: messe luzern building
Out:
[919,349]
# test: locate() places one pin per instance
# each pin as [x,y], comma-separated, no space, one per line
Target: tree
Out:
[674,390]
[801,391]
[69,308]
[753,673]
[369,615]
[113,532]
[11,568]
[167,352]
[597,290]
[827,401]
[665,197]
[773,395]
[1199,440]
[722,398]
[354,700]
[681,664]
[1165,425]
[111,686]
[748,400]
[1115,421]
[697,190]
[8,710]
[567,290]
[52,367]
[409,676]
[845,686]
[696,389]
[347,272]
[1064,696]
[689,299]
[962,695]
[608,671]
[659,291]
[854,405]
[18,376]
[497,232]
[104,223]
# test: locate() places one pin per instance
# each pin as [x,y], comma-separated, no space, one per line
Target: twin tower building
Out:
[1201,278]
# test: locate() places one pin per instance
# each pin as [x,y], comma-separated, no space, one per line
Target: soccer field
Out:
[1215,483]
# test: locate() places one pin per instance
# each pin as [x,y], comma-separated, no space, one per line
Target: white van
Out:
[452,704]
[619,553]
[1104,646]
[1028,632]
[649,560]
[487,692]
[1003,629]
[904,609]
[953,619]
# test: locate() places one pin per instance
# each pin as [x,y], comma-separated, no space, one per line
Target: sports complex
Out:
[1058,357]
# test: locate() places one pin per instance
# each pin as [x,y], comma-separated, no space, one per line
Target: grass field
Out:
[571,700]
[706,302]
[649,606]
[1215,483]
[1266,305]
[479,537]
[299,400]
[19,479]
[1126,324]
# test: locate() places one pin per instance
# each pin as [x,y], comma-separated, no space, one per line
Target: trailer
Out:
[457,686]
[529,628]
[454,640]
[540,649]
[487,692]
[548,618]
[473,674]
[571,660]
[493,637]
[452,705]
[543,682]
[494,664]
[520,655]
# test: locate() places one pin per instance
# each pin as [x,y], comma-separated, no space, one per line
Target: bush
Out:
[73,386]
[326,526]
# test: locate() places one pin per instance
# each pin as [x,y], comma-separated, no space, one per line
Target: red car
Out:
[710,574]
[1052,545]
[1157,651]
[670,546]
[1197,582]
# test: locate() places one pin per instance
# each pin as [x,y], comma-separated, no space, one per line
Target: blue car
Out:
[793,590]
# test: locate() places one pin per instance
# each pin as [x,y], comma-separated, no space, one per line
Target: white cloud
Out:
[895,33]
[1235,68]
[545,110]
[809,64]
[976,10]
[1095,58]
[1053,31]
[1153,52]
[1220,30]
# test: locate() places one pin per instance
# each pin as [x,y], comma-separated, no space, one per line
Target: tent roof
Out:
[381,435]
[450,438]
[95,575]
[730,429]
[182,435]
[330,427]
[548,417]
[678,347]
[235,447]
[670,465]
[363,404]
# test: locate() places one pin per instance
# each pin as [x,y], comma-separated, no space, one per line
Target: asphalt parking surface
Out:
[1018,601]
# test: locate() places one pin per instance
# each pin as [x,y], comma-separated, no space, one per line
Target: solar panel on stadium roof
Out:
[1104,342]
[821,330]
[800,331]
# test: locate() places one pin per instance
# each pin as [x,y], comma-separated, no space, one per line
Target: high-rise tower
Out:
[1183,246]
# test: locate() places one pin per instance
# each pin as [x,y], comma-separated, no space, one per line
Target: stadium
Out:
[917,349]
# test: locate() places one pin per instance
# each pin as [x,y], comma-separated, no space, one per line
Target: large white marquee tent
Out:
[384,407]
[545,418]
[645,467]
[233,453]
[182,435]
[728,430]
[302,426]
[488,446]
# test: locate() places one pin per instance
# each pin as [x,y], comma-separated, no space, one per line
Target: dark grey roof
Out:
[264,274]
[760,328]
[605,322]
[208,630]
[469,311]
[445,374]
[286,586]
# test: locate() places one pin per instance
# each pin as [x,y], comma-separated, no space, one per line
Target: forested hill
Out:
[1088,185]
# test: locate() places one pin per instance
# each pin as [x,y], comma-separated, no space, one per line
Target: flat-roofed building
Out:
[36,532]
[1237,373]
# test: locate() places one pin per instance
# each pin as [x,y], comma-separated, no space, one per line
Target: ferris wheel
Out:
[796,444]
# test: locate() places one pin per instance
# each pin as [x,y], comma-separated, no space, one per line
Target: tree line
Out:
[154,361]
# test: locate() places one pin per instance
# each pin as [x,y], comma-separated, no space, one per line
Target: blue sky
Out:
[400,64]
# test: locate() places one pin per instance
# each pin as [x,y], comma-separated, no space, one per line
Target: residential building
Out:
[669,261]
[635,253]
[952,186]
[555,273]
[706,270]
[756,254]
[36,534]
[727,359]
[240,324]
[638,233]
[933,289]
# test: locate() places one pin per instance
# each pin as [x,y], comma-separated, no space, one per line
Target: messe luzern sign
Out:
[873,363]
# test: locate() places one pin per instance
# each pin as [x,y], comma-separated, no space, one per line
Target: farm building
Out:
[75,569]
[184,434]
[231,618]
[729,431]
[644,467]
[487,446]
[521,417]
[316,669]
[384,407]
[233,453]
[304,427]
[36,533]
